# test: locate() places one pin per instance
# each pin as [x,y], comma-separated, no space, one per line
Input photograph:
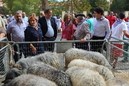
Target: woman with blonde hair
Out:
[68,27]
[33,32]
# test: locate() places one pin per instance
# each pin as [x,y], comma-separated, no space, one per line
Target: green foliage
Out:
[9,5]
[28,6]
[99,3]
[34,6]
[120,5]
[86,5]
[57,7]
[103,4]
[81,5]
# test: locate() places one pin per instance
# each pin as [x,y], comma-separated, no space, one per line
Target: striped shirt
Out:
[82,31]
[16,30]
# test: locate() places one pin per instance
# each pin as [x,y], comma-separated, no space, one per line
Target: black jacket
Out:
[42,21]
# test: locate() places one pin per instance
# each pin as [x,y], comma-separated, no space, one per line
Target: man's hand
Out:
[34,50]
[83,40]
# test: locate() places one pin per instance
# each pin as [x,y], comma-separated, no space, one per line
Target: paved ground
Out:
[122,66]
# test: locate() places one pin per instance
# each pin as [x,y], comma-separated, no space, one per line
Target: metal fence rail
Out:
[115,49]
[62,46]
[3,49]
[22,48]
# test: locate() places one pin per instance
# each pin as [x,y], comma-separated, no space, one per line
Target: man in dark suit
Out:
[49,29]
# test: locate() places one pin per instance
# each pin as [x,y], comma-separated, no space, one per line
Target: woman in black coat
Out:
[33,33]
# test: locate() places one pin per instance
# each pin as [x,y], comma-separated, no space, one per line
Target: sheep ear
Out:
[22,56]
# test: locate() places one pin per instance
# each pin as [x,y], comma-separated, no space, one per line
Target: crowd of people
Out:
[94,26]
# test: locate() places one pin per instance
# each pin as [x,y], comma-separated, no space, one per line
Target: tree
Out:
[9,5]
[103,4]
[99,3]
[126,5]
[118,5]
[29,6]
[81,5]
[86,5]
[44,4]
[56,6]
[77,5]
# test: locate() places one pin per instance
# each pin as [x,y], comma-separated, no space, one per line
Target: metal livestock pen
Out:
[108,49]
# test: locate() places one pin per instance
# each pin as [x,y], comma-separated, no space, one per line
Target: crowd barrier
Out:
[59,46]
[3,55]
[118,49]
[106,47]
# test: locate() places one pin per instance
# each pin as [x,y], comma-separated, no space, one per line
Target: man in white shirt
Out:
[101,29]
[119,29]
[49,29]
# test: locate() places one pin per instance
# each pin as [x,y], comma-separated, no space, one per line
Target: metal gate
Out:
[107,49]
[3,55]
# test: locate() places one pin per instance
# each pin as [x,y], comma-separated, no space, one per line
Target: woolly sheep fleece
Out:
[30,80]
[51,73]
[51,58]
[85,77]
[102,70]
[11,74]
[95,57]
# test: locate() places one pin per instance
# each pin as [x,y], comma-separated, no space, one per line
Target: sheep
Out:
[102,70]
[11,74]
[82,63]
[95,57]
[24,63]
[51,73]
[53,59]
[105,72]
[50,58]
[85,77]
[30,80]
[62,60]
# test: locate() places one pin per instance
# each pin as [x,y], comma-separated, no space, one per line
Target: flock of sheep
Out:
[75,67]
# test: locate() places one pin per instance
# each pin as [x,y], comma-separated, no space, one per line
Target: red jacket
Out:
[111,19]
[68,31]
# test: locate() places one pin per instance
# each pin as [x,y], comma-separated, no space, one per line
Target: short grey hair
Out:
[19,12]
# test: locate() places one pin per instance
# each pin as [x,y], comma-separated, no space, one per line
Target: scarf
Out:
[117,22]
